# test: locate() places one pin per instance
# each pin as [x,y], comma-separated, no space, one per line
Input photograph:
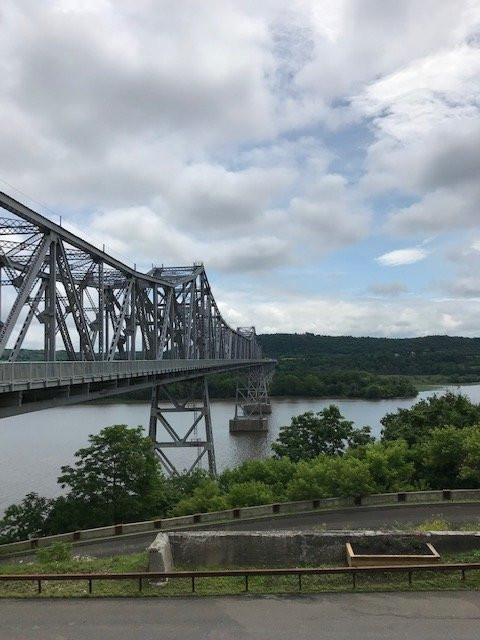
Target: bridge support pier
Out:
[164,406]
[252,404]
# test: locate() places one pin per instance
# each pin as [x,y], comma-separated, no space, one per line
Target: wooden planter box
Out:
[379,560]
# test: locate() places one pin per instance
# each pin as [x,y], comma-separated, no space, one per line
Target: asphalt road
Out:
[356,518]
[393,616]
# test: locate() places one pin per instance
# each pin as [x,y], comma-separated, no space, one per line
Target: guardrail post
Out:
[89,585]
[246,582]
[299,581]
[354,579]
[39,586]
[447,495]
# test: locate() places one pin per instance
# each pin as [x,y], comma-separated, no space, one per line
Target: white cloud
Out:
[332,316]
[253,137]
[400,257]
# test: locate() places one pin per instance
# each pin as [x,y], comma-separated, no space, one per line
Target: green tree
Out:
[274,473]
[181,485]
[207,496]
[441,458]
[116,478]
[26,519]
[329,476]
[470,468]
[326,432]
[390,465]
[248,494]
[415,424]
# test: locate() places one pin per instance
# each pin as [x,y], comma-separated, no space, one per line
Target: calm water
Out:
[34,446]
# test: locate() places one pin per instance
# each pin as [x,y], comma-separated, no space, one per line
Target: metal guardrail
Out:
[245,573]
[67,371]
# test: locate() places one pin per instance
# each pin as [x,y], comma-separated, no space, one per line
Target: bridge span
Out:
[107,328]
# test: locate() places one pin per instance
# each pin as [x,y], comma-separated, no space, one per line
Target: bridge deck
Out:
[30,386]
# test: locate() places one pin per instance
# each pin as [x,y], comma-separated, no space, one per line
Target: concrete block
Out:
[217,516]
[61,537]
[424,496]
[100,532]
[326,503]
[260,510]
[180,521]
[465,494]
[379,498]
[138,527]
[251,423]
[295,507]
[160,555]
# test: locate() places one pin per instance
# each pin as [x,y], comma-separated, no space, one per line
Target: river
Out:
[33,446]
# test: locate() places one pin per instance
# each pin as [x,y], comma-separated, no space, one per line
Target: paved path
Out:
[394,616]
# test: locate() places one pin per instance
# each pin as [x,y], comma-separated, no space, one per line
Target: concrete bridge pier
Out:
[252,404]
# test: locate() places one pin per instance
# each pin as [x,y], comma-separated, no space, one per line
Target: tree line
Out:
[455,359]
[433,445]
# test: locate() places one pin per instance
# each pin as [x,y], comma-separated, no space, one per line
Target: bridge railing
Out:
[247,574]
[25,372]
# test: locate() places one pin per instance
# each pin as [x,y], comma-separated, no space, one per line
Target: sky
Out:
[320,157]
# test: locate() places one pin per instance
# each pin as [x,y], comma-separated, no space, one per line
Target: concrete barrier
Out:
[298,548]
[269,510]
[464,494]
[424,496]
[138,527]
[160,554]
[379,498]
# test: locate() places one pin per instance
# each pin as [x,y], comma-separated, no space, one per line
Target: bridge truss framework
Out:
[92,308]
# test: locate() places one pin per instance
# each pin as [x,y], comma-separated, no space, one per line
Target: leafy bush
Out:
[56,552]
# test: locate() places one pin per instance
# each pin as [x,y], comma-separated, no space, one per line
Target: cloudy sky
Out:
[321,157]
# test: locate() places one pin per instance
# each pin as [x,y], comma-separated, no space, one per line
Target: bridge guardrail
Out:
[67,371]
[243,513]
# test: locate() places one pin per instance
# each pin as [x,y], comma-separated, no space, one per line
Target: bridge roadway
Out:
[346,616]
[30,386]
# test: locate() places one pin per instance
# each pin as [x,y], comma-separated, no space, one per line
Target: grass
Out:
[421,581]
[434,524]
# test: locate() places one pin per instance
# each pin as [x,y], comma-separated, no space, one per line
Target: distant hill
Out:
[456,358]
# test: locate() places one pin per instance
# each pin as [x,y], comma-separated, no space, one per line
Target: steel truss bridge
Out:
[107,328]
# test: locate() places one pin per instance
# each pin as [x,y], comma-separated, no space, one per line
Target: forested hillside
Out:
[453,358]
